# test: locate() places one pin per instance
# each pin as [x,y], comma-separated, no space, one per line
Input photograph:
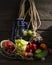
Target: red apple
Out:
[34,46]
[31,47]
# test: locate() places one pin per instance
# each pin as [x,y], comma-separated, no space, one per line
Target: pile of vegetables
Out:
[24,48]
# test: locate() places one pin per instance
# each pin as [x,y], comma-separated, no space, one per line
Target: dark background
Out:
[9,10]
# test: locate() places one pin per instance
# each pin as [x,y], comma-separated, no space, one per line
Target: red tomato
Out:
[43,46]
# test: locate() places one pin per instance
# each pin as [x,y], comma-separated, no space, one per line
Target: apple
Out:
[29,32]
[31,47]
[34,46]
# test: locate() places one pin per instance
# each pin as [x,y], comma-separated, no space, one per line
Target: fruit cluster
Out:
[34,50]
[29,46]
[30,35]
[25,49]
[31,49]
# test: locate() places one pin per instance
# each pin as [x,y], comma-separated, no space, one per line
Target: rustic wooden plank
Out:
[5,35]
[5,25]
[45,15]
[6,19]
[7,14]
[7,4]
[46,25]
[44,8]
[10,5]
[44,1]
